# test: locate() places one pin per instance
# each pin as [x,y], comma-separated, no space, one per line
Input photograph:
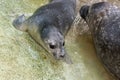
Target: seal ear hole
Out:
[52,46]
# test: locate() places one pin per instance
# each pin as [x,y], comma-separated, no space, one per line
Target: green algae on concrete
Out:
[23,59]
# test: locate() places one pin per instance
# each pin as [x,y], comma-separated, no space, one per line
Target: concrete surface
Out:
[23,59]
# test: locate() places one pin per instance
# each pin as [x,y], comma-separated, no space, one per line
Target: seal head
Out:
[84,11]
[54,40]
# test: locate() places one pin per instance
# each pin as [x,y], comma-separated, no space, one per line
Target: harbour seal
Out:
[49,25]
[103,19]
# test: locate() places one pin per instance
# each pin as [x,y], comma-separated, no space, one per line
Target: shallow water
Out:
[22,59]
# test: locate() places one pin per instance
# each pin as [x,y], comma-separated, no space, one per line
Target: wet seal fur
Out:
[103,20]
[49,25]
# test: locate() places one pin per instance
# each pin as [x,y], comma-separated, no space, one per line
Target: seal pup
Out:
[49,25]
[103,19]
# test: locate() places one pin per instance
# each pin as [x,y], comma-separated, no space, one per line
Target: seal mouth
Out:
[59,57]
[64,57]
[84,11]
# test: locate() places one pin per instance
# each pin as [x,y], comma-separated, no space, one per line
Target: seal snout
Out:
[57,48]
[59,54]
[84,11]
[62,54]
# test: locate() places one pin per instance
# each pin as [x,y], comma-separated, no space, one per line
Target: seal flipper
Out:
[19,23]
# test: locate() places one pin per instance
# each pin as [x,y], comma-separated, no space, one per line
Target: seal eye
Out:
[52,46]
[63,43]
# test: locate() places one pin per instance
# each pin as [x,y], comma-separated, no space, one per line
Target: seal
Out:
[103,19]
[49,25]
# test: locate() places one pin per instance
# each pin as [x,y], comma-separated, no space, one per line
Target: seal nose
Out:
[84,11]
[62,55]
[54,54]
[59,55]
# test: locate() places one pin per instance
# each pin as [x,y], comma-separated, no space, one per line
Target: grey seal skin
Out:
[49,25]
[103,19]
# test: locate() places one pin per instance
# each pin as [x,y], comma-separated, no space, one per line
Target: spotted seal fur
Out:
[103,19]
[49,25]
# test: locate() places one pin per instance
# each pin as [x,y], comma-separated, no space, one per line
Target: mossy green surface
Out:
[21,58]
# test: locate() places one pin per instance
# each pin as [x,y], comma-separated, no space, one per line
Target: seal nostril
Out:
[54,54]
[62,56]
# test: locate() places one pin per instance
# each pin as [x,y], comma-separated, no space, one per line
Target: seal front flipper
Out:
[19,23]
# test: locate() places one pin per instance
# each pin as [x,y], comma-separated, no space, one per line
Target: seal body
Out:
[49,24]
[103,20]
